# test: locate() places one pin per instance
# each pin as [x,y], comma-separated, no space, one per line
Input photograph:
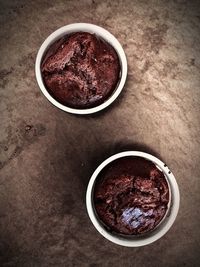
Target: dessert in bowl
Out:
[81,68]
[132,198]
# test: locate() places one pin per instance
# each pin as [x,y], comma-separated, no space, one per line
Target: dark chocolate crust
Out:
[131,196]
[81,70]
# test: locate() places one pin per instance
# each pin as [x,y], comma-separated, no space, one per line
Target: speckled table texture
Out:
[47,156]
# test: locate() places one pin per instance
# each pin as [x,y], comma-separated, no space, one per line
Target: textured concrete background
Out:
[47,156]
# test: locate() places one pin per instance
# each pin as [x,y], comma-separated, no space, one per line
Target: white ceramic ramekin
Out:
[99,31]
[161,229]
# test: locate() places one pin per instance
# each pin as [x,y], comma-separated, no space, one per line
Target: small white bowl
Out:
[91,28]
[165,224]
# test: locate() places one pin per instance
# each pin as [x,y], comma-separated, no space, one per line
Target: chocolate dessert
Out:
[131,196]
[81,70]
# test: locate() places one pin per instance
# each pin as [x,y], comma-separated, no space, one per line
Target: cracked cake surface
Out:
[131,196]
[81,70]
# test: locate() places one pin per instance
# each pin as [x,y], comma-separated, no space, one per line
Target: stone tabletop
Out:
[47,156]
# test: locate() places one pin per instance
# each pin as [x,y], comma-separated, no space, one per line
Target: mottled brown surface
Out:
[47,156]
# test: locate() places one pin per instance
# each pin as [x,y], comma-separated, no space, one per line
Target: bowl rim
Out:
[161,229]
[104,34]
